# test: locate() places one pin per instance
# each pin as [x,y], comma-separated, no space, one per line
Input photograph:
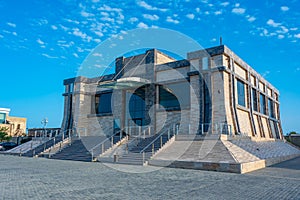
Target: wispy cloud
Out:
[54,27]
[250,18]
[171,20]
[40,41]
[190,16]
[133,19]
[145,5]
[11,24]
[75,55]
[224,4]
[48,56]
[284,8]
[151,17]
[142,25]
[272,23]
[297,35]
[238,11]
[218,12]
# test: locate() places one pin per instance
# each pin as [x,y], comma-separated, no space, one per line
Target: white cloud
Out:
[133,19]
[218,12]
[97,54]
[237,5]
[75,55]
[54,27]
[86,14]
[11,24]
[145,5]
[110,9]
[72,21]
[197,10]
[284,8]
[174,21]
[190,16]
[280,36]
[151,17]
[78,33]
[294,29]
[142,25]
[40,41]
[272,23]
[14,33]
[251,18]
[297,35]
[224,4]
[266,73]
[97,40]
[238,11]
[48,56]
[100,34]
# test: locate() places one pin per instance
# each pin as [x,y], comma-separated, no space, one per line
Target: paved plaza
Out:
[38,178]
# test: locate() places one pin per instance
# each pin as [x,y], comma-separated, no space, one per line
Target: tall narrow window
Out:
[103,103]
[271,108]
[205,63]
[241,93]
[262,104]
[254,100]
[2,118]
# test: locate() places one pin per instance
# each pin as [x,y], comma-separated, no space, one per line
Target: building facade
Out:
[16,126]
[211,91]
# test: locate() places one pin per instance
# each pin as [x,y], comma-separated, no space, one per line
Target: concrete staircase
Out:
[76,151]
[133,155]
[79,149]
[24,148]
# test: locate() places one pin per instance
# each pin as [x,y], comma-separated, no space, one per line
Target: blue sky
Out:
[44,42]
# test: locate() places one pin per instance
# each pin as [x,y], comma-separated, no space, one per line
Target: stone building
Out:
[211,91]
[16,125]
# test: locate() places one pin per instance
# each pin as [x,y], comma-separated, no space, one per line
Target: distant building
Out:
[16,125]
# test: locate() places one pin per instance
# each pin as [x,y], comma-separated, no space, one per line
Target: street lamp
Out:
[44,122]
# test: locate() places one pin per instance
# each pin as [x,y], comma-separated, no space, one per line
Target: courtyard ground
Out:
[39,178]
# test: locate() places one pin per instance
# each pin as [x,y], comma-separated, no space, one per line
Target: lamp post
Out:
[44,122]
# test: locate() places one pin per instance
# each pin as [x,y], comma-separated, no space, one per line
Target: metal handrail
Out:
[153,141]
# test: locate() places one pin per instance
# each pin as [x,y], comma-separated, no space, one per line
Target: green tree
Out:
[292,133]
[3,134]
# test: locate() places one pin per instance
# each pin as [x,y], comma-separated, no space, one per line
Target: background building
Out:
[16,125]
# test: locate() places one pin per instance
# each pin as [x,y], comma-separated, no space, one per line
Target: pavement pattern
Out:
[40,178]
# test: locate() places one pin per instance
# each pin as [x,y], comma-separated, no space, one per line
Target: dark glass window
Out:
[176,95]
[254,100]
[271,108]
[241,93]
[2,118]
[262,104]
[103,103]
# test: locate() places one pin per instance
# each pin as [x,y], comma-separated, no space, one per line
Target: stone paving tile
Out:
[39,178]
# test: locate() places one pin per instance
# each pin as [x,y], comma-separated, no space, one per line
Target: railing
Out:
[137,132]
[170,132]
[101,145]
[44,145]
[204,128]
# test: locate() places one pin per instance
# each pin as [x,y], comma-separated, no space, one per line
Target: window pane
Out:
[241,93]
[262,104]
[254,100]
[2,118]
[271,108]
[205,63]
[104,105]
